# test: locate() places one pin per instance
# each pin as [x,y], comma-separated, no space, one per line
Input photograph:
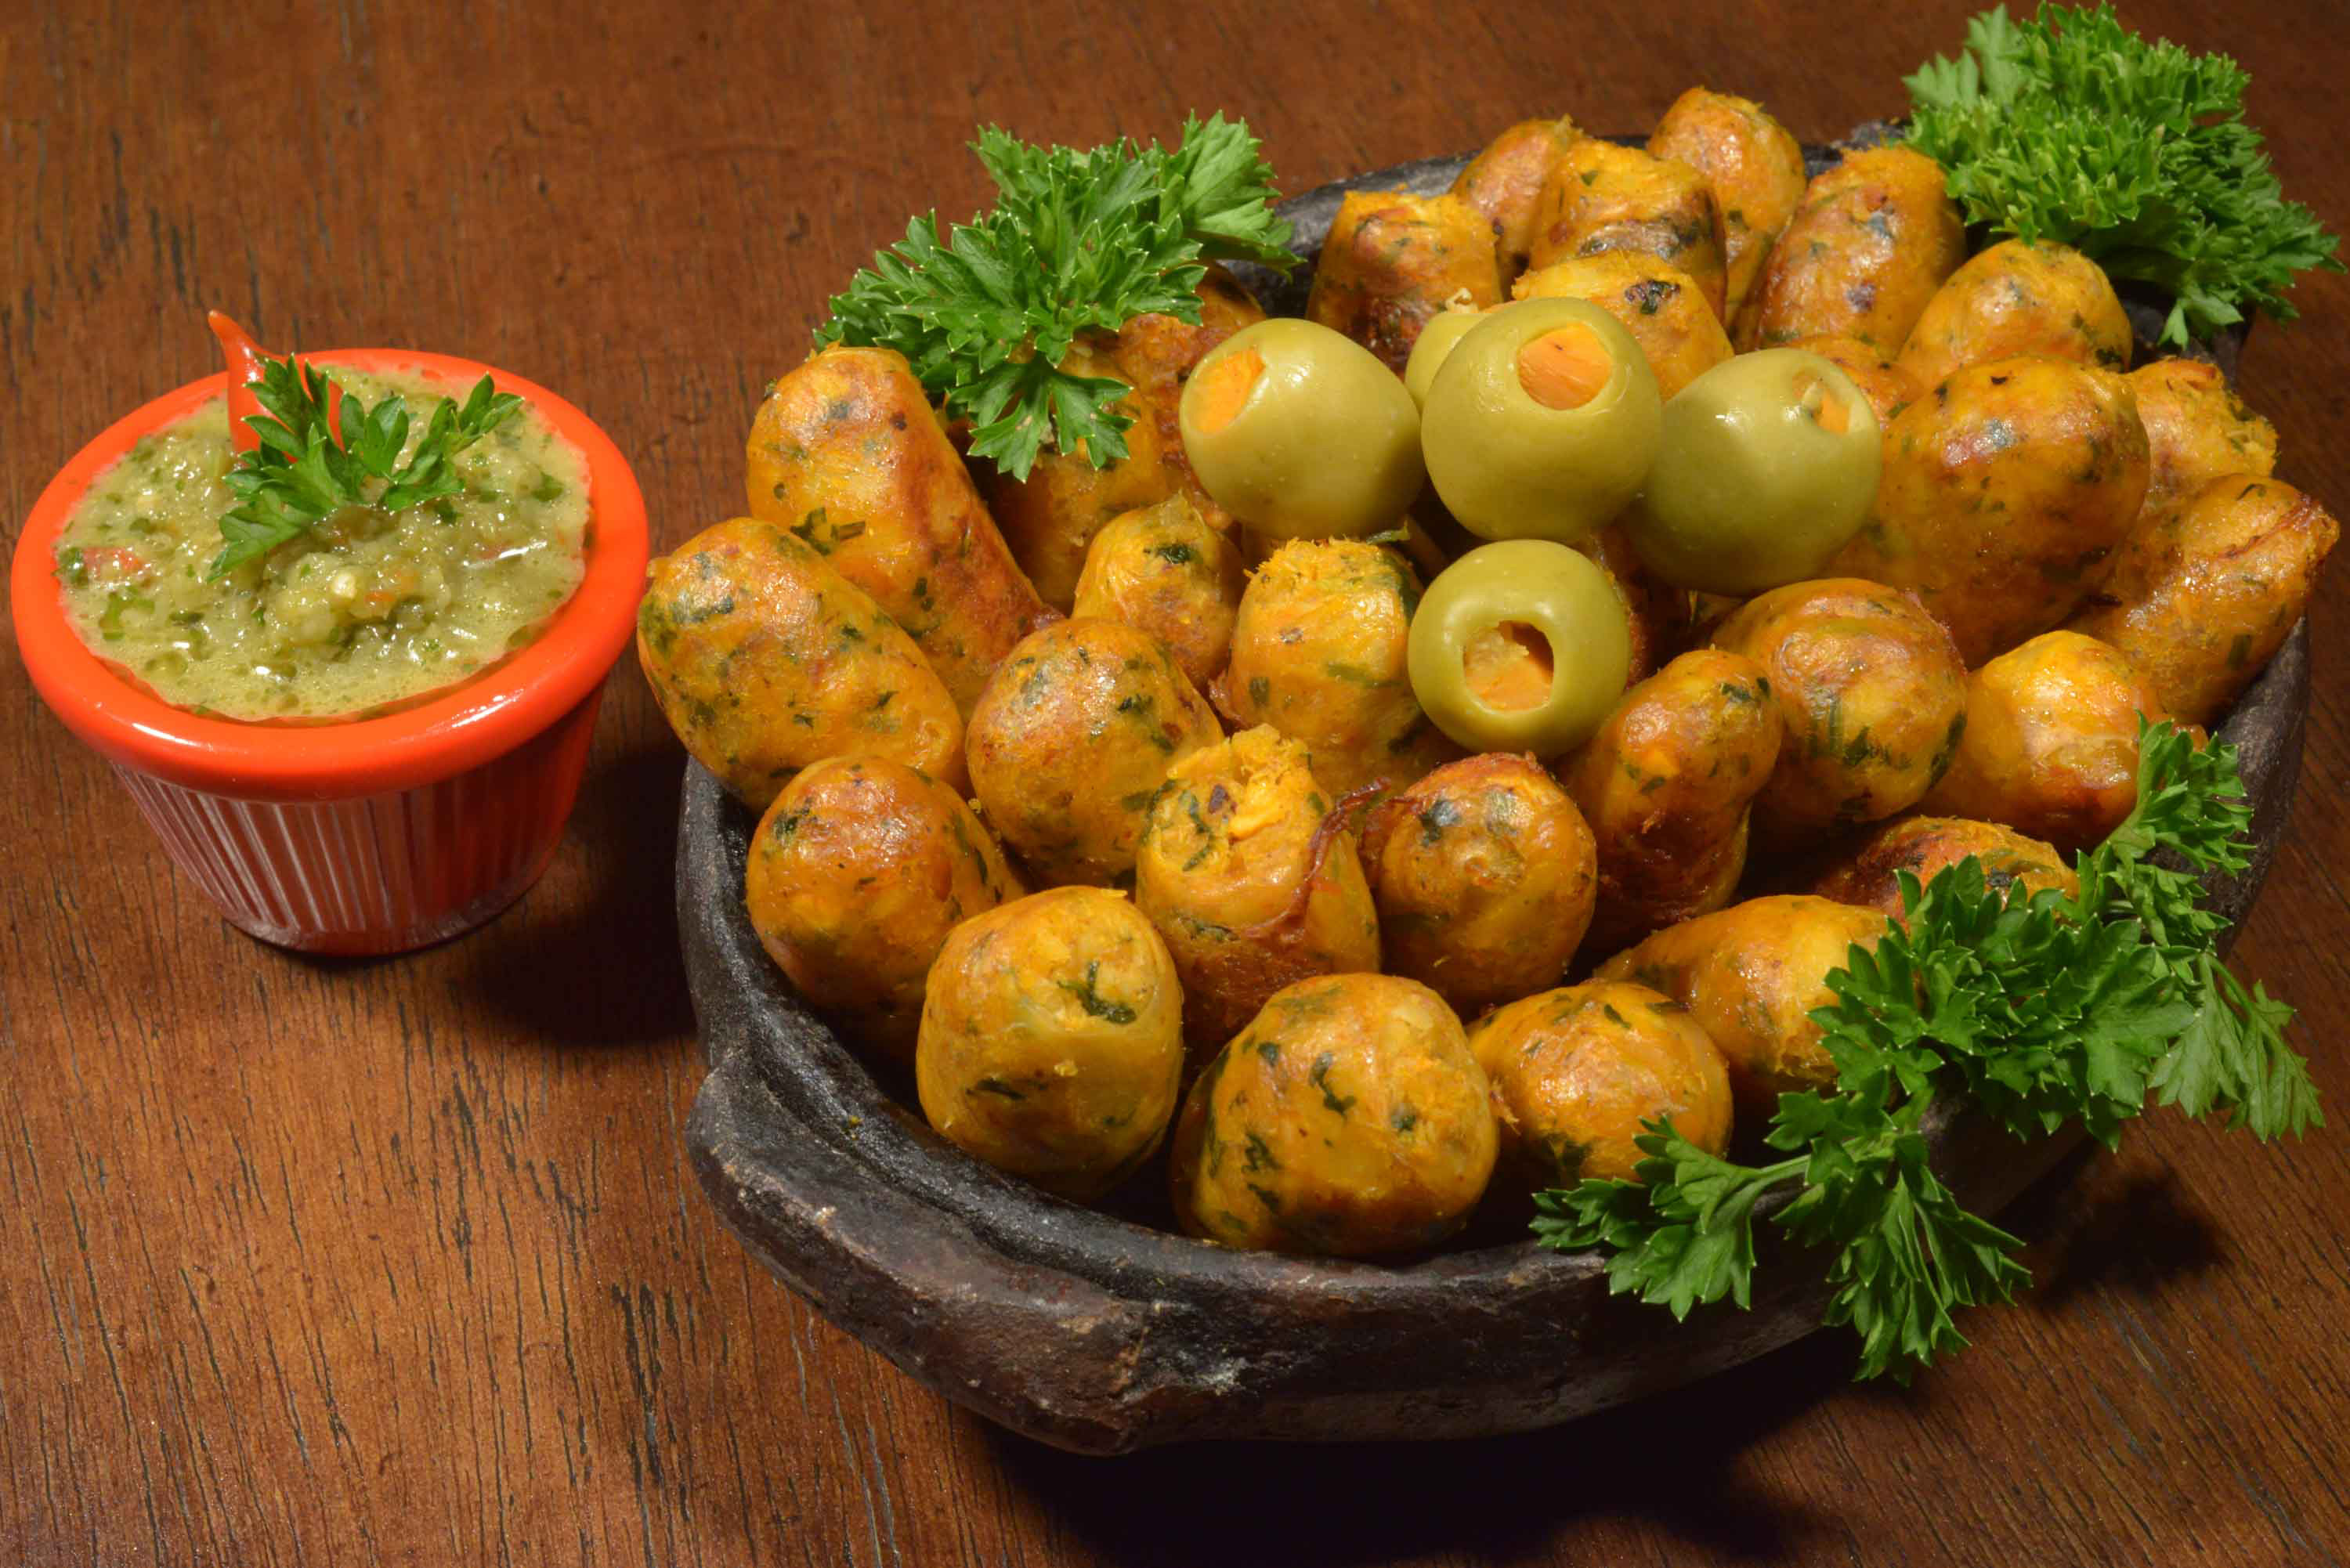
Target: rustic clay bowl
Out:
[1097,1333]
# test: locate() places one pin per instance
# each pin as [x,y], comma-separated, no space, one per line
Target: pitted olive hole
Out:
[1564,368]
[1819,401]
[1509,667]
[1224,387]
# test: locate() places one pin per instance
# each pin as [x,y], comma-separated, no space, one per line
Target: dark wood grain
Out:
[403,1263]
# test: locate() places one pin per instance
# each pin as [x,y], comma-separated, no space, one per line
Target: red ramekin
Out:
[380,834]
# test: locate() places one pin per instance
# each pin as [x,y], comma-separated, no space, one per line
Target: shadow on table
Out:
[1672,1461]
[2094,1224]
[599,965]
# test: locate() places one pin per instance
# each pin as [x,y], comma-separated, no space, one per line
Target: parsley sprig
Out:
[1077,242]
[2070,127]
[2042,1010]
[301,475]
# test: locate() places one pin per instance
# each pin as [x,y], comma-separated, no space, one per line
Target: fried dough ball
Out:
[1348,1120]
[2016,297]
[1751,976]
[1504,182]
[2005,492]
[1867,874]
[1888,388]
[1871,241]
[2051,747]
[1164,570]
[1251,877]
[1050,518]
[1052,1040]
[1602,197]
[1657,615]
[1756,169]
[1667,784]
[2201,600]
[1319,653]
[764,659]
[1392,260]
[1873,695]
[856,874]
[2197,430]
[1577,1072]
[1483,873]
[1660,305]
[847,453]
[1071,739]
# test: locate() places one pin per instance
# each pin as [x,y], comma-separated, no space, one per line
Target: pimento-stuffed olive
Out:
[847,453]
[1766,465]
[1873,694]
[2197,430]
[1504,182]
[1165,570]
[1667,785]
[1756,169]
[1520,646]
[2051,747]
[1579,1071]
[1249,873]
[2019,296]
[1483,874]
[1888,388]
[1751,976]
[1869,873]
[1393,260]
[764,659]
[1542,422]
[2005,492]
[1438,338]
[2204,595]
[1602,197]
[1071,739]
[1320,652]
[1052,1040]
[1050,517]
[1870,241]
[1301,434]
[1660,305]
[856,874]
[1348,1120]
[1156,353]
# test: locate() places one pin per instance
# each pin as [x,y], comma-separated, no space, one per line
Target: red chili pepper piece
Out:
[245,358]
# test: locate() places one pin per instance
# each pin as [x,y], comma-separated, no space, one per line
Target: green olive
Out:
[1541,421]
[1301,433]
[1520,646]
[1435,344]
[1769,464]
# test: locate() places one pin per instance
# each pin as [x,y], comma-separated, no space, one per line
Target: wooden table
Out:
[400,1262]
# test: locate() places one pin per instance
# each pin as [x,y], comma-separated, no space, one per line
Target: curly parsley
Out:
[1077,242]
[300,474]
[2043,1010]
[2072,128]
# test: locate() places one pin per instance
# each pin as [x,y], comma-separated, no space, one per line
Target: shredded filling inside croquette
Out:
[1508,667]
[1564,368]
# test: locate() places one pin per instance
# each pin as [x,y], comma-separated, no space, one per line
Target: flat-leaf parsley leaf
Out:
[300,474]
